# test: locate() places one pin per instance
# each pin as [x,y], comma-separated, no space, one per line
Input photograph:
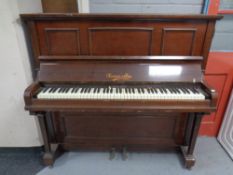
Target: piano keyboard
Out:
[119,93]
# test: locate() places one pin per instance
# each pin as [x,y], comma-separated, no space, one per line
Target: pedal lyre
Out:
[124,153]
[112,153]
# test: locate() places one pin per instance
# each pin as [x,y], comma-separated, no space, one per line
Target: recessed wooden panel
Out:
[120,41]
[119,129]
[115,126]
[178,41]
[61,41]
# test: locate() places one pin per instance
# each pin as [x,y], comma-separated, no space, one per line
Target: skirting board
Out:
[225,136]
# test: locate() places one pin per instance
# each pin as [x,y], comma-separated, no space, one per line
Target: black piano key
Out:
[50,90]
[139,91]
[164,90]
[154,90]
[54,89]
[44,89]
[120,90]
[82,90]
[187,90]
[151,91]
[177,90]
[161,91]
[73,90]
[195,90]
[85,90]
[111,90]
[67,89]
[174,91]
[77,89]
[133,90]
[170,90]
[63,90]
[183,90]
[142,90]
[95,90]
[192,90]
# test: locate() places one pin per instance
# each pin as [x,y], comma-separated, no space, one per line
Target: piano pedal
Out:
[124,153]
[112,153]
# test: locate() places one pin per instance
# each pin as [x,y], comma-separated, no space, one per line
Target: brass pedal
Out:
[112,153]
[124,153]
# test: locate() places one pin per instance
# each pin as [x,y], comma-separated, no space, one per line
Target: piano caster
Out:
[112,153]
[48,159]
[124,153]
[189,160]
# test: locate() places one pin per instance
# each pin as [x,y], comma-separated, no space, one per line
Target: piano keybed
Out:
[122,93]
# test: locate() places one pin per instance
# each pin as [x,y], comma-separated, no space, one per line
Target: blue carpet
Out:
[211,160]
[20,161]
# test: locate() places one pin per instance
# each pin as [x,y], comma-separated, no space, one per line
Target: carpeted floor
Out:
[20,161]
[211,160]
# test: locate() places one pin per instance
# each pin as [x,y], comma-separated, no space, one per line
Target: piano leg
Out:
[51,150]
[188,150]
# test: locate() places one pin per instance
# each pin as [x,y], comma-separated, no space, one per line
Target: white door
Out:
[225,135]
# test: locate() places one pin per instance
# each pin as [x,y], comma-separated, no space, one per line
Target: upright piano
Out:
[119,82]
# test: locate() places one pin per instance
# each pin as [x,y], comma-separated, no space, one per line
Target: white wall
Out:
[17,128]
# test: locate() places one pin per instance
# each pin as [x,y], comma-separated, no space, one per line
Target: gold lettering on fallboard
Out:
[115,77]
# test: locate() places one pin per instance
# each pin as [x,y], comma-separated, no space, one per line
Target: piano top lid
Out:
[117,16]
[122,69]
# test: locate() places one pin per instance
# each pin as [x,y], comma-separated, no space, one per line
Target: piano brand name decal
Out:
[114,77]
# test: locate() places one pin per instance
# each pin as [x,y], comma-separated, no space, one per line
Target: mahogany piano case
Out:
[125,52]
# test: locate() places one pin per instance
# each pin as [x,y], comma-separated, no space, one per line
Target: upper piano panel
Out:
[72,35]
